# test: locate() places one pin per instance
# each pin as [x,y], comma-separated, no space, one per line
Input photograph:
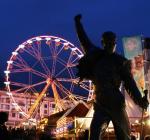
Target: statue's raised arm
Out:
[86,44]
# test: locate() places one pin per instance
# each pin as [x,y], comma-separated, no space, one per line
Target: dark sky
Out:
[23,19]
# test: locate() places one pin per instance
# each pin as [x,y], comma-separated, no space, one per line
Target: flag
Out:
[133,51]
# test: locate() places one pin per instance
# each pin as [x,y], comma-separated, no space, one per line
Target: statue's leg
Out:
[121,125]
[99,124]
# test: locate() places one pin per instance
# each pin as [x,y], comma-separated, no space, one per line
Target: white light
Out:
[32,120]
[57,40]
[90,81]
[7,83]
[10,62]
[91,90]
[25,123]
[17,107]
[136,121]
[21,46]
[38,38]
[29,41]
[9,93]
[6,71]
[73,49]
[21,112]
[48,38]
[81,55]
[14,53]
[14,104]
[66,43]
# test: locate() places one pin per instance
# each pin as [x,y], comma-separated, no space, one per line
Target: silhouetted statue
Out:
[107,70]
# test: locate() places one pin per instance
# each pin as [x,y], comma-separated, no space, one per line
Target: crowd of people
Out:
[8,133]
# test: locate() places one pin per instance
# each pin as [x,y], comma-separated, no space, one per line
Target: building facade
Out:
[44,109]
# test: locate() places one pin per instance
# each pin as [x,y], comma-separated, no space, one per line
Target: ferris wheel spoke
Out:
[18,65]
[19,70]
[71,81]
[30,78]
[68,80]
[53,65]
[60,50]
[32,52]
[34,64]
[51,49]
[64,90]
[81,97]
[30,70]
[69,59]
[75,81]
[34,48]
[61,61]
[25,86]
[72,87]
[20,90]
[47,58]
[21,60]
[44,66]
[34,90]
[75,60]
[26,90]
[56,46]
[84,86]
[39,49]
[65,65]
[18,84]
[38,73]
[61,71]
[73,65]
[71,72]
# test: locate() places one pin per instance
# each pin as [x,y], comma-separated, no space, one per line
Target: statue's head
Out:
[109,41]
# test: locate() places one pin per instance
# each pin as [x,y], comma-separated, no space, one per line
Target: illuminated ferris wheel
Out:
[45,65]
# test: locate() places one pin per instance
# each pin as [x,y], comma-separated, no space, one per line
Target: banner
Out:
[133,51]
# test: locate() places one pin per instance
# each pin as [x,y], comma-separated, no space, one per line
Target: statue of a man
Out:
[107,70]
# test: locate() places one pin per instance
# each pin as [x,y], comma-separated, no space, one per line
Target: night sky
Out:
[24,19]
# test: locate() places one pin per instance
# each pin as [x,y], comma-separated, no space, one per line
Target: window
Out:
[7,100]
[7,107]
[53,105]
[2,106]
[13,115]
[45,105]
[20,116]
[45,111]
[2,100]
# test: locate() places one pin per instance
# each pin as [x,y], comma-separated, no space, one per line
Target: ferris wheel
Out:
[45,65]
